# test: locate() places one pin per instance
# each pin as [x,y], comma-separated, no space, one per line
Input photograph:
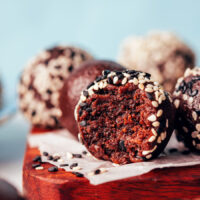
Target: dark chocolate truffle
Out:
[42,80]
[130,118]
[74,85]
[161,54]
[186,99]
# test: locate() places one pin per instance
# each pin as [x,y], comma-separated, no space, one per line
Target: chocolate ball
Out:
[75,84]
[162,54]
[186,99]
[42,80]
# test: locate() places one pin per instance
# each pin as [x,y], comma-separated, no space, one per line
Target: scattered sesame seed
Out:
[35,165]
[141,86]
[73,165]
[194,115]
[78,174]
[115,79]
[152,138]
[45,153]
[163,135]
[147,89]
[37,159]
[69,155]
[53,169]
[39,168]
[64,165]
[77,155]
[50,157]
[124,81]
[177,103]
[159,140]
[198,127]
[148,156]
[60,160]
[85,93]
[84,152]
[83,123]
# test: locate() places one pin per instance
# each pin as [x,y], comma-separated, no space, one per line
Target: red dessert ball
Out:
[74,85]
[125,117]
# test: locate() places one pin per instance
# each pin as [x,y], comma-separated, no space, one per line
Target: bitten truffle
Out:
[125,117]
[161,54]
[186,99]
[42,80]
[75,83]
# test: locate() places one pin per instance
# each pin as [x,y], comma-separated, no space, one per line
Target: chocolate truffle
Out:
[186,99]
[125,117]
[161,54]
[42,80]
[75,83]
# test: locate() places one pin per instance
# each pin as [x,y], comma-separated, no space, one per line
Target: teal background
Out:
[98,25]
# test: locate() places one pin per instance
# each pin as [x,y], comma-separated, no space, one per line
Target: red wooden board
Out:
[168,183]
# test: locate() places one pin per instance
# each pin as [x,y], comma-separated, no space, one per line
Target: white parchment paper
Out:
[61,142]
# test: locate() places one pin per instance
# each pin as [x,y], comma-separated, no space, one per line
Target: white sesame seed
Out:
[155,103]
[156,83]
[147,89]
[39,168]
[101,85]
[194,115]
[103,170]
[115,164]
[185,97]
[115,79]
[180,80]
[159,113]
[96,86]
[190,100]
[142,81]
[194,134]
[152,138]
[155,88]
[159,140]
[76,168]
[198,127]
[160,99]
[152,118]
[167,123]
[148,156]
[90,92]
[141,86]
[157,95]
[135,81]
[90,174]
[124,81]
[176,103]
[69,155]
[163,135]
[156,124]
[56,155]
[149,86]
[83,98]
[80,138]
[170,99]
[154,131]
[193,142]
[60,160]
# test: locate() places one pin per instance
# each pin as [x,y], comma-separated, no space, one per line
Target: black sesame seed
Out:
[55,119]
[83,123]
[70,68]
[80,112]
[121,145]
[53,169]
[98,79]
[120,76]
[56,158]
[37,159]
[85,93]
[104,77]
[149,96]
[89,109]
[35,165]
[83,104]
[45,153]
[64,165]
[186,152]
[73,165]
[84,152]
[49,91]
[33,113]
[78,174]
[110,81]
[106,72]
[173,150]
[118,73]
[98,171]
[77,155]
[57,66]
[192,93]
[50,157]
[91,84]
[147,75]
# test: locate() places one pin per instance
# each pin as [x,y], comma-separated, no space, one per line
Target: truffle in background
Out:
[186,99]
[75,84]
[125,117]
[162,54]
[42,80]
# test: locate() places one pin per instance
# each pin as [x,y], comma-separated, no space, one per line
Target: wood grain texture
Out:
[168,183]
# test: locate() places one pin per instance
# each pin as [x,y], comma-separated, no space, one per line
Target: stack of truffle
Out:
[121,115]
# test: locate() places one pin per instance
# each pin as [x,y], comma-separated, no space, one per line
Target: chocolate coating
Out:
[42,80]
[74,85]
[161,54]
[126,117]
[186,100]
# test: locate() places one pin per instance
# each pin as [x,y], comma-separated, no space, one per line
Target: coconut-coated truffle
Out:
[125,117]
[74,85]
[186,100]
[162,54]
[41,81]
